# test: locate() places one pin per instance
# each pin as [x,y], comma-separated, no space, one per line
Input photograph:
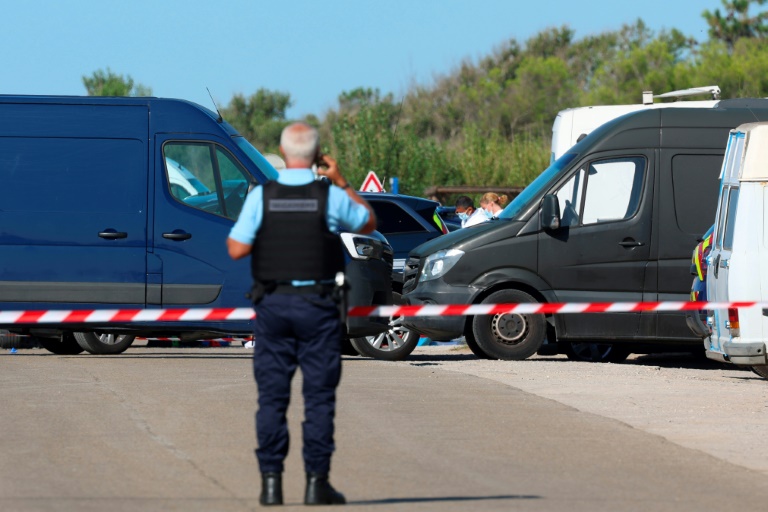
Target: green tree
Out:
[736,23]
[107,83]
[260,118]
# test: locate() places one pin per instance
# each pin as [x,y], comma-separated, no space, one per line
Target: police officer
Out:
[289,228]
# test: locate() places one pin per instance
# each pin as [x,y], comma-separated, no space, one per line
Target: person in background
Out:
[465,209]
[493,204]
[290,227]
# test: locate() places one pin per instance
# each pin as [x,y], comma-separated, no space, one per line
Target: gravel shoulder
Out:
[716,408]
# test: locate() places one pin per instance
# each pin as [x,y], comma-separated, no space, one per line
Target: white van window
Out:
[206,177]
[730,219]
[614,188]
[719,225]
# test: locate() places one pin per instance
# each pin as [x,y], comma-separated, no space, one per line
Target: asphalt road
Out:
[172,429]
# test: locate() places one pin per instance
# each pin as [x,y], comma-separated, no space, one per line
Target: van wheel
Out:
[596,352]
[473,346]
[761,370]
[103,343]
[64,345]
[509,336]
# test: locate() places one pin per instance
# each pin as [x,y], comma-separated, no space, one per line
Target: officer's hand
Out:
[330,169]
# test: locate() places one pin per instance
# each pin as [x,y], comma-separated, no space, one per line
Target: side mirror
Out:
[550,212]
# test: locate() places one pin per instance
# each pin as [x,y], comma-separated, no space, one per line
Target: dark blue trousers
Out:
[296,331]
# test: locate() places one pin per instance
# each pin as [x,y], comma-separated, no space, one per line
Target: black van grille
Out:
[410,274]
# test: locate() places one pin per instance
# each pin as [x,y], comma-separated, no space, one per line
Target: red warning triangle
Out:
[372,183]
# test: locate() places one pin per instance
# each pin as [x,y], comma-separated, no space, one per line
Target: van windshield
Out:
[520,202]
[256,157]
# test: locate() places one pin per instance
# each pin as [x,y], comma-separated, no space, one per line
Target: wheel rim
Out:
[509,328]
[109,339]
[392,339]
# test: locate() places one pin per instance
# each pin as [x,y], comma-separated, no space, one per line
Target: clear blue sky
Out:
[311,49]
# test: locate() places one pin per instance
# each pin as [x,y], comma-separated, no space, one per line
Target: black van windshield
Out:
[256,157]
[520,203]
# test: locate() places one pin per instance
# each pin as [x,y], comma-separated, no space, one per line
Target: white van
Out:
[573,124]
[738,261]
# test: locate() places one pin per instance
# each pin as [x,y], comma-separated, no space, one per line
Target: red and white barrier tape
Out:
[546,308]
[61,316]
[102,316]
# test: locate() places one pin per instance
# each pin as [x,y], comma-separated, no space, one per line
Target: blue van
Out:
[95,214]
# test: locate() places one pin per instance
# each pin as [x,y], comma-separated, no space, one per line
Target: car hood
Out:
[467,238]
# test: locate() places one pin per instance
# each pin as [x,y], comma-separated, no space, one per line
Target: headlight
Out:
[438,264]
[361,247]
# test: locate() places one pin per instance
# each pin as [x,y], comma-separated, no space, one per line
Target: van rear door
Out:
[720,255]
[73,204]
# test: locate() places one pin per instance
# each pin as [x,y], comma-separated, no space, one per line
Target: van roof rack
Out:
[713,90]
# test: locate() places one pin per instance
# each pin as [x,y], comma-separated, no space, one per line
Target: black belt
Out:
[312,289]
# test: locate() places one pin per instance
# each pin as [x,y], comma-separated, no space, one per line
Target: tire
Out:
[761,370]
[394,344]
[509,336]
[473,346]
[596,352]
[64,345]
[103,343]
[347,349]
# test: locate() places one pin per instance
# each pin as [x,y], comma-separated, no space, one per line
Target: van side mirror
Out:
[550,212]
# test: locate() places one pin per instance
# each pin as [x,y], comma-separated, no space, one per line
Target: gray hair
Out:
[299,140]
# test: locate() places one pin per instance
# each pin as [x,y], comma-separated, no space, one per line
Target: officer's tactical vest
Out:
[293,242]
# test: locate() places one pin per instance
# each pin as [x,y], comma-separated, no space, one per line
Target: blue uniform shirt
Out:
[343,214]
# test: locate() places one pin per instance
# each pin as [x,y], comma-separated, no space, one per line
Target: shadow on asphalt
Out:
[452,499]
[663,360]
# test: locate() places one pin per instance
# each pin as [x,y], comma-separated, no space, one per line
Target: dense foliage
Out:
[488,123]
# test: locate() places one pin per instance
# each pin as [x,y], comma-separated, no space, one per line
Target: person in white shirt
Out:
[493,204]
[465,209]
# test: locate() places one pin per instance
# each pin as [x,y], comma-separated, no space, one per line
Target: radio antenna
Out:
[220,119]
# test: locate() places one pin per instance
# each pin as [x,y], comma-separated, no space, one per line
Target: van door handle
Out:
[177,235]
[630,243]
[111,234]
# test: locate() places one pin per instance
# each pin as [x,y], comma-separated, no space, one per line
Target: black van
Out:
[613,220]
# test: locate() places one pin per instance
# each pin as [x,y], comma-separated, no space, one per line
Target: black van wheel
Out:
[64,345]
[761,370]
[103,343]
[596,352]
[509,336]
[473,346]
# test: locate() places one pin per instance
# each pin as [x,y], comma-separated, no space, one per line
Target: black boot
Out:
[320,491]
[271,489]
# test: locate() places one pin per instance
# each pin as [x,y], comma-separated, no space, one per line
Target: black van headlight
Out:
[438,264]
[361,247]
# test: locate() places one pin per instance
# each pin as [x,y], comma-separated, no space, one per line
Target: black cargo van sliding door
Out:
[601,250]
[73,204]
[688,192]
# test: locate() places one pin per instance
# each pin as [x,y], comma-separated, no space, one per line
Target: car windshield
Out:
[257,158]
[520,202]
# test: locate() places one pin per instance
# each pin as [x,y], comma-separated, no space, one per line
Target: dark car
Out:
[406,222]
[450,217]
